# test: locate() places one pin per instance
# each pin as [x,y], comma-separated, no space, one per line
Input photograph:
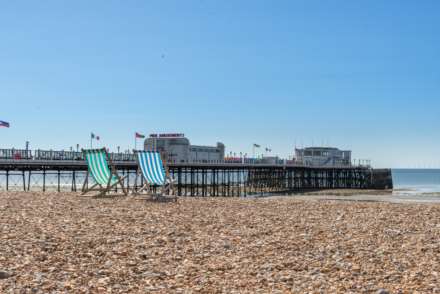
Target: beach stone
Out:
[4,275]
[227,246]
[103,281]
[382,291]
[38,278]
[217,245]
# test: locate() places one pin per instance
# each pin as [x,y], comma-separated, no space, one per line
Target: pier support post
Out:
[44,180]
[59,179]
[179,181]
[29,181]
[73,181]
[24,180]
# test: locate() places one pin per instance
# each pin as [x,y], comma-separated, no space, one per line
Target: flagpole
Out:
[135,142]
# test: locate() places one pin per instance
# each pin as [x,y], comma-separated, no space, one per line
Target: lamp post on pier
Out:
[253,149]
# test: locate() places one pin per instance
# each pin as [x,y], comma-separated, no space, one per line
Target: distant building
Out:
[177,148]
[271,160]
[322,156]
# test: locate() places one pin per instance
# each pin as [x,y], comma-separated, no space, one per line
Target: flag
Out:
[268,150]
[139,136]
[93,136]
[257,146]
[4,124]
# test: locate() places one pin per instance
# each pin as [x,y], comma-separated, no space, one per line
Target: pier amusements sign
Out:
[167,135]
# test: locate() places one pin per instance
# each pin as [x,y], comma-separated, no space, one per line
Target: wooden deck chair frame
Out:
[103,190]
[147,187]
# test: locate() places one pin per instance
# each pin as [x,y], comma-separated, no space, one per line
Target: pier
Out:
[50,171]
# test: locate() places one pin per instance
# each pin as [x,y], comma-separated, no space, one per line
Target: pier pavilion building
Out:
[178,149]
[323,156]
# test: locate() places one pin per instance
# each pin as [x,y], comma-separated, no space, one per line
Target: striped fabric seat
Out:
[99,169]
[103,172]
[152,167]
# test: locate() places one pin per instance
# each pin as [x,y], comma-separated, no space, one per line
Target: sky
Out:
[358,75]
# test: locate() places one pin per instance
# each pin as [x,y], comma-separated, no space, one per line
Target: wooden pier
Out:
[197,179]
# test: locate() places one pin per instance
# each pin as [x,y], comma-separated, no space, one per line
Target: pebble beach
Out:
[64,243]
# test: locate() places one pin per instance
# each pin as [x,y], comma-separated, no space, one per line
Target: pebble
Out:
[4,275]
[216,245]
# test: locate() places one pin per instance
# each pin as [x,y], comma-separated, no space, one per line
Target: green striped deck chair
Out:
[102,171]
[154,175]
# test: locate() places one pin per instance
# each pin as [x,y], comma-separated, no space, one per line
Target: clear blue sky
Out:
[362,75]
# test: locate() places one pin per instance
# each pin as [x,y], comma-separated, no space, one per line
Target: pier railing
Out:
[15,154]
[53,155]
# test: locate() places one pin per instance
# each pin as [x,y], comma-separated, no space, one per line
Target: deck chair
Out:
[154,173]
[102,171]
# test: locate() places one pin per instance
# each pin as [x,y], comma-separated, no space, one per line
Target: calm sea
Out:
[416,181]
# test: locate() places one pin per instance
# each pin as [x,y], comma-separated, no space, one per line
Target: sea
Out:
[423,182]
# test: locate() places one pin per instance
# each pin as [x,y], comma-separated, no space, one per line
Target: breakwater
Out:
[197,179]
